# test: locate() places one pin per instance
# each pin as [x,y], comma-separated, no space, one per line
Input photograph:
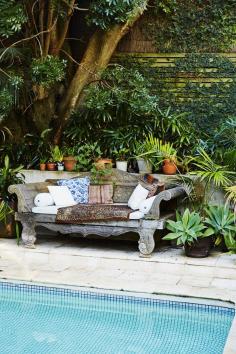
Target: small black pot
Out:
[199,249]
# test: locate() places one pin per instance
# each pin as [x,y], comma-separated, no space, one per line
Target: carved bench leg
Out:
[28,234]
[146,242]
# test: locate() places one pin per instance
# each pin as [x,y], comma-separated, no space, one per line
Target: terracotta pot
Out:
[103,164]
[51,166]
[69,163]
[199,249]
[169,167]
[42,167]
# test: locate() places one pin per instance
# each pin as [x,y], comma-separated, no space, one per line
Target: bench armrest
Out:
[166,195]
[26,193]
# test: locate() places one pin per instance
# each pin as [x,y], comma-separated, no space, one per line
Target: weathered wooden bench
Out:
[162,209]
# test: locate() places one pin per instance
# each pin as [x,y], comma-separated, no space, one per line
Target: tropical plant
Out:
[56,154]
[121,154]
[9,176]
[155,151]
[221,222]
[211,172]
[231,194]
[5,210]
[46,36]
[187,228]
[87,154]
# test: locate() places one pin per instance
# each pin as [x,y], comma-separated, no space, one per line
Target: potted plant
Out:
[8,202]
[188,230]
[143,157]
[69,159]
[221,221]
[121,159]
[87,155]
[42,164]
[163,154]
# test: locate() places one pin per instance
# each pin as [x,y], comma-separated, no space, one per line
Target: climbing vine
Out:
[193,26]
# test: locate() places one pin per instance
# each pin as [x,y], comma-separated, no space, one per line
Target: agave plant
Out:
[221,222]
[187,228]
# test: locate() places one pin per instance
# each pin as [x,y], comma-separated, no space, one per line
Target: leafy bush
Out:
[105,13]
[47,71]
[193,26]
[12,17]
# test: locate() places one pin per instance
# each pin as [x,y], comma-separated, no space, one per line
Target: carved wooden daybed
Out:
[124,183]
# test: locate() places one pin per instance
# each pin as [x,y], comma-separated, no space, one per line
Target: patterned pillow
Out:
[78,187]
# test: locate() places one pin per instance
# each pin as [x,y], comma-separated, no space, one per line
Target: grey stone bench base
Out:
[145,229]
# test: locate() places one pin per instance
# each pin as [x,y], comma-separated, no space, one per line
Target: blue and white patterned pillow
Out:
[79,188]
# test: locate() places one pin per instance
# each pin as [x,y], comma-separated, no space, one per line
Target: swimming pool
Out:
[48,320]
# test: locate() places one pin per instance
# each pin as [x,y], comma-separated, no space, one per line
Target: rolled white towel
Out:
[43,200]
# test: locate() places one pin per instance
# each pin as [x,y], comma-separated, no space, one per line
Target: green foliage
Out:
[193,26]
[47,71]
[231,194]
[5,210]
[56,154]
[221,222]
[155,151]
[105,13]
[6,102]
[87,154]
[121,154]
[117,111]
[186,229]
[9,176]
[123,109]
[9,93]
[12,17]
[203,85]
[211,172]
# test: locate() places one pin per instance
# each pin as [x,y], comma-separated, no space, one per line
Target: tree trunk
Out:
[97,56]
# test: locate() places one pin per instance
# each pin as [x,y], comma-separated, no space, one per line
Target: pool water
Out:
[47,320]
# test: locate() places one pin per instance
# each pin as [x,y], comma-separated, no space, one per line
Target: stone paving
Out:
[116,265]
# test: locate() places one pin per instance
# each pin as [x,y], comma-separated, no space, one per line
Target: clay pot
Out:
[199,249]
[103,164]
[169,167]
[51,166]
[42,167]
[69,163]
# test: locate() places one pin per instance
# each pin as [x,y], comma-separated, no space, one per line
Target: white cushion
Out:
[50,210]
[43,200]
[136,215]
[139,194]
[146,205]
[61,195]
